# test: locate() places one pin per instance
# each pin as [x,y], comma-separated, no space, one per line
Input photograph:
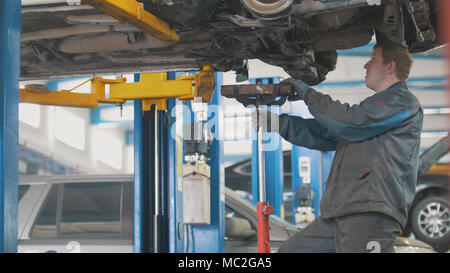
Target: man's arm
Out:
[371,117]
[307,133]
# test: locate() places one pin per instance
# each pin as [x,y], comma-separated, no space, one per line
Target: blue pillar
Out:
[176,228]
[10,28]
[273,157]
[144,177]
[138,217]
[151,226]
[211,238]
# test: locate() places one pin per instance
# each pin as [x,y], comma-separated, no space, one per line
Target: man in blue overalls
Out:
[373,178]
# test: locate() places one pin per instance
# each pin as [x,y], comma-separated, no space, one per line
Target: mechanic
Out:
[373,177]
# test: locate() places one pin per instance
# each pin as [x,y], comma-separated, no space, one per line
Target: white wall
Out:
[86,160]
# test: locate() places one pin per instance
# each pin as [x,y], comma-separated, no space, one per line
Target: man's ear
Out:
[391,67]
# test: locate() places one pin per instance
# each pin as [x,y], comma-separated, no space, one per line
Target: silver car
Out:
[75,214]
[95,214]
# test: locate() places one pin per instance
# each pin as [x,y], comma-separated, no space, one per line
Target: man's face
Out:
[376,71]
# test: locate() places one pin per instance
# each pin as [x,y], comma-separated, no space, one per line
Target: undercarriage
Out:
[302,37]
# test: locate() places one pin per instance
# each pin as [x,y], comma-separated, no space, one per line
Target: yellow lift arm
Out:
[153,88]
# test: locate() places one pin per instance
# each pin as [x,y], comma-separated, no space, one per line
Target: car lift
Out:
[155,89]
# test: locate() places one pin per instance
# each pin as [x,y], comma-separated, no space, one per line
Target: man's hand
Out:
[299,88]
[268,121]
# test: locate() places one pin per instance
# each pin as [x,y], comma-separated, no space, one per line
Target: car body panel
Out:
[429,159]
[75,246]
[426,181]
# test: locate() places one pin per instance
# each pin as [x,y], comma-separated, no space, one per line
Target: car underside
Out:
[62,40]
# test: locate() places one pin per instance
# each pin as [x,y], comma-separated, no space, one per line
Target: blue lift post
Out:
[10,29]
[138,183]
[211,238]
[273,157]
[150,218]
[175,175]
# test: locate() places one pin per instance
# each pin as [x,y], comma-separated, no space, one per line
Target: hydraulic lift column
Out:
[160,238]
[147,182]
[10,29]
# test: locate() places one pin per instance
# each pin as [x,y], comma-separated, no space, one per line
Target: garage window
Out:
[86,211]
[91,210]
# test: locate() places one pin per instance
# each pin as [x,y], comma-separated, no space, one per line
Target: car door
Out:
[82,216]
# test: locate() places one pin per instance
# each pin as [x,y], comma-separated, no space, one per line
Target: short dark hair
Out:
[399,55]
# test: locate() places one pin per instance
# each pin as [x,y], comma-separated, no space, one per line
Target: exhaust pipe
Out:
[314,7]
[108,42]
[56,33]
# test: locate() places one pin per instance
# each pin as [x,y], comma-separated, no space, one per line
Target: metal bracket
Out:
[39,94]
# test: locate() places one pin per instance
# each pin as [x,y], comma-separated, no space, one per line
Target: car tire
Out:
[430,222]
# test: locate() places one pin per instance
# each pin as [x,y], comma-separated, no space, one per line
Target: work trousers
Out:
[357,233]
